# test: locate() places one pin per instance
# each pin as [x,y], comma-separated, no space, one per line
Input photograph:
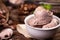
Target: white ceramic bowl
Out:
[41,33]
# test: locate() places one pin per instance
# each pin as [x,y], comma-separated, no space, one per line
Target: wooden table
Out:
[22,34]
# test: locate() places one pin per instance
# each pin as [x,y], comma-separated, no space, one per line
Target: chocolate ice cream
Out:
[42,18]
[53,23]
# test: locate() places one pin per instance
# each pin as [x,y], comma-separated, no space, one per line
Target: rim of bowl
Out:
[28,17]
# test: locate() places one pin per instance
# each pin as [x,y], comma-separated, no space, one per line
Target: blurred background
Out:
[19,9]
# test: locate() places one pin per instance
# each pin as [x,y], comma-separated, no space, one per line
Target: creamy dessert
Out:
[43,18]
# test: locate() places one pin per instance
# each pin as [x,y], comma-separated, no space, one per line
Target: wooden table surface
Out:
[21,34]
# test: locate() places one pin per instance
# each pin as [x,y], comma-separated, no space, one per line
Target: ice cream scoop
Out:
[33,22]
[53,23]
[41,17]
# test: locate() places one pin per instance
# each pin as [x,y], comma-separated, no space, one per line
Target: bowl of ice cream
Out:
[43,25]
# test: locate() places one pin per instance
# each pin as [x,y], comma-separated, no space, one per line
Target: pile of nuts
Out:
[3,19]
